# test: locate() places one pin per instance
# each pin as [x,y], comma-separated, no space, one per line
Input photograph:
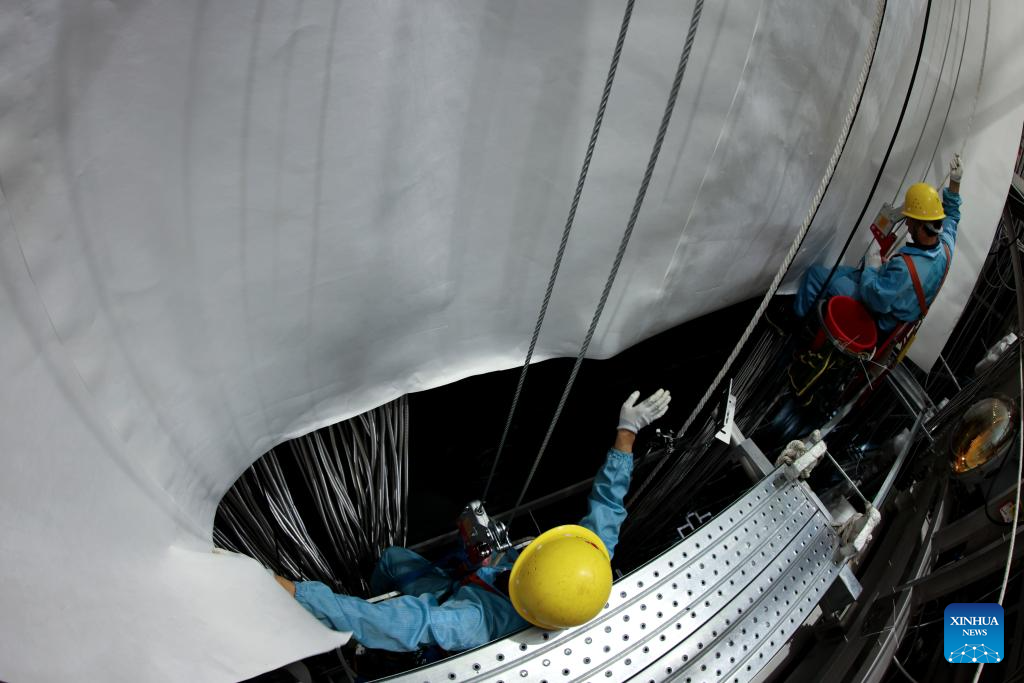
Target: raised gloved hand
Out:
[635,416]
[873,258]
[956,169]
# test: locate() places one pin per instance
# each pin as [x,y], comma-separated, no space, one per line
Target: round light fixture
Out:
[982,436]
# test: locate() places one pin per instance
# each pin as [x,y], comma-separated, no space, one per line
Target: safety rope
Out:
[876,28]
[684,59]
[609,80]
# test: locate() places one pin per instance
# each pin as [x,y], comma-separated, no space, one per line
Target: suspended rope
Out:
[931,105]
[952,95]
[876,28]
[981,76]
[684,59]
[609,80]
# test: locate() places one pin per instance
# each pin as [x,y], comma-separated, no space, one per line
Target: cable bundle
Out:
[324,505]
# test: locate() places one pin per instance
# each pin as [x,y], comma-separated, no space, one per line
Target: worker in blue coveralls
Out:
[901,288]
[561,579]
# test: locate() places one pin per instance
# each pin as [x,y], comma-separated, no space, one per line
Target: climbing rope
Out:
[684,59]
[565,236]
[876,28]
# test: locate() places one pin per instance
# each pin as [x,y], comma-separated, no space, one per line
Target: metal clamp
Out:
[800,457]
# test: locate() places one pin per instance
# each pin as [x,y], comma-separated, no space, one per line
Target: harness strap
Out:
[475,580]
[918,289]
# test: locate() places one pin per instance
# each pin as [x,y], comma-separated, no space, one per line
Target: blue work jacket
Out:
[472,615]
[888,292]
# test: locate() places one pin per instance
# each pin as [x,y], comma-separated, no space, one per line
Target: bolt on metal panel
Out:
[715,607]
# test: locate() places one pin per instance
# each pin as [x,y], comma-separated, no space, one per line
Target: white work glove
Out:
[956,169]
[635,416]
[873,258]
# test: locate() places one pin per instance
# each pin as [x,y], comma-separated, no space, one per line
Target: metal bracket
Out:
[800,457]
[725,431]
[694,520]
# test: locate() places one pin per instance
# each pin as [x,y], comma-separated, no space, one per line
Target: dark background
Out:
[455,429]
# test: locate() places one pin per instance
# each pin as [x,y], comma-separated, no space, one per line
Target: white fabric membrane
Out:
[227,223]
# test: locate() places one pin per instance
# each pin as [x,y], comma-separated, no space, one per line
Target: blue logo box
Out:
[973,633]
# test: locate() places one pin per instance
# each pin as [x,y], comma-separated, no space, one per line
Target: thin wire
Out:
[935,94]
[1020,437]
[952,94]
[797,241]
[905,672]
[848,480]
[684,59]
[981,76]
[609,80]
[1020,472]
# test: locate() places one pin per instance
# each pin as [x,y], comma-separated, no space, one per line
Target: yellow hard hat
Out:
[562,579]
[923,203]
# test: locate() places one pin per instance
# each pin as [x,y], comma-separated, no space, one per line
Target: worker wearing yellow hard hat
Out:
[559,580]
[899,287]
[562,578]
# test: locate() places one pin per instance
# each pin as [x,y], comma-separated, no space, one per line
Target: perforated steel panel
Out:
[715,607]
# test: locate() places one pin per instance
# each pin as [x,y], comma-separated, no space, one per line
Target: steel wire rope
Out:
[981,77]
[826,179]
[885,159]
[570,220]
[935,94]
[684,59]
[952,94]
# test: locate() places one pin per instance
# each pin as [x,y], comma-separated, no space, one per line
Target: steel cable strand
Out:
[952,94]
[797,241]
[885,159]
[316,473]
[291,520]
[981,77]
[609,80]
[931,105]
[684,59]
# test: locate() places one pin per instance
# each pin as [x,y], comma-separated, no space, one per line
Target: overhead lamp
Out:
[982,437]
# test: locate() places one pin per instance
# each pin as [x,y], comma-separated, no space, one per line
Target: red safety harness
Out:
[918,289]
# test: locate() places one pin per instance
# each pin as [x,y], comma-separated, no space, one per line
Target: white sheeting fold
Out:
[226,223]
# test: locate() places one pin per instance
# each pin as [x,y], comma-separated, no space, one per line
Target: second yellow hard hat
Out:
[922,202]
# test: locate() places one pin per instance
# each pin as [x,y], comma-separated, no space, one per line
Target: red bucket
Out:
[850,324]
